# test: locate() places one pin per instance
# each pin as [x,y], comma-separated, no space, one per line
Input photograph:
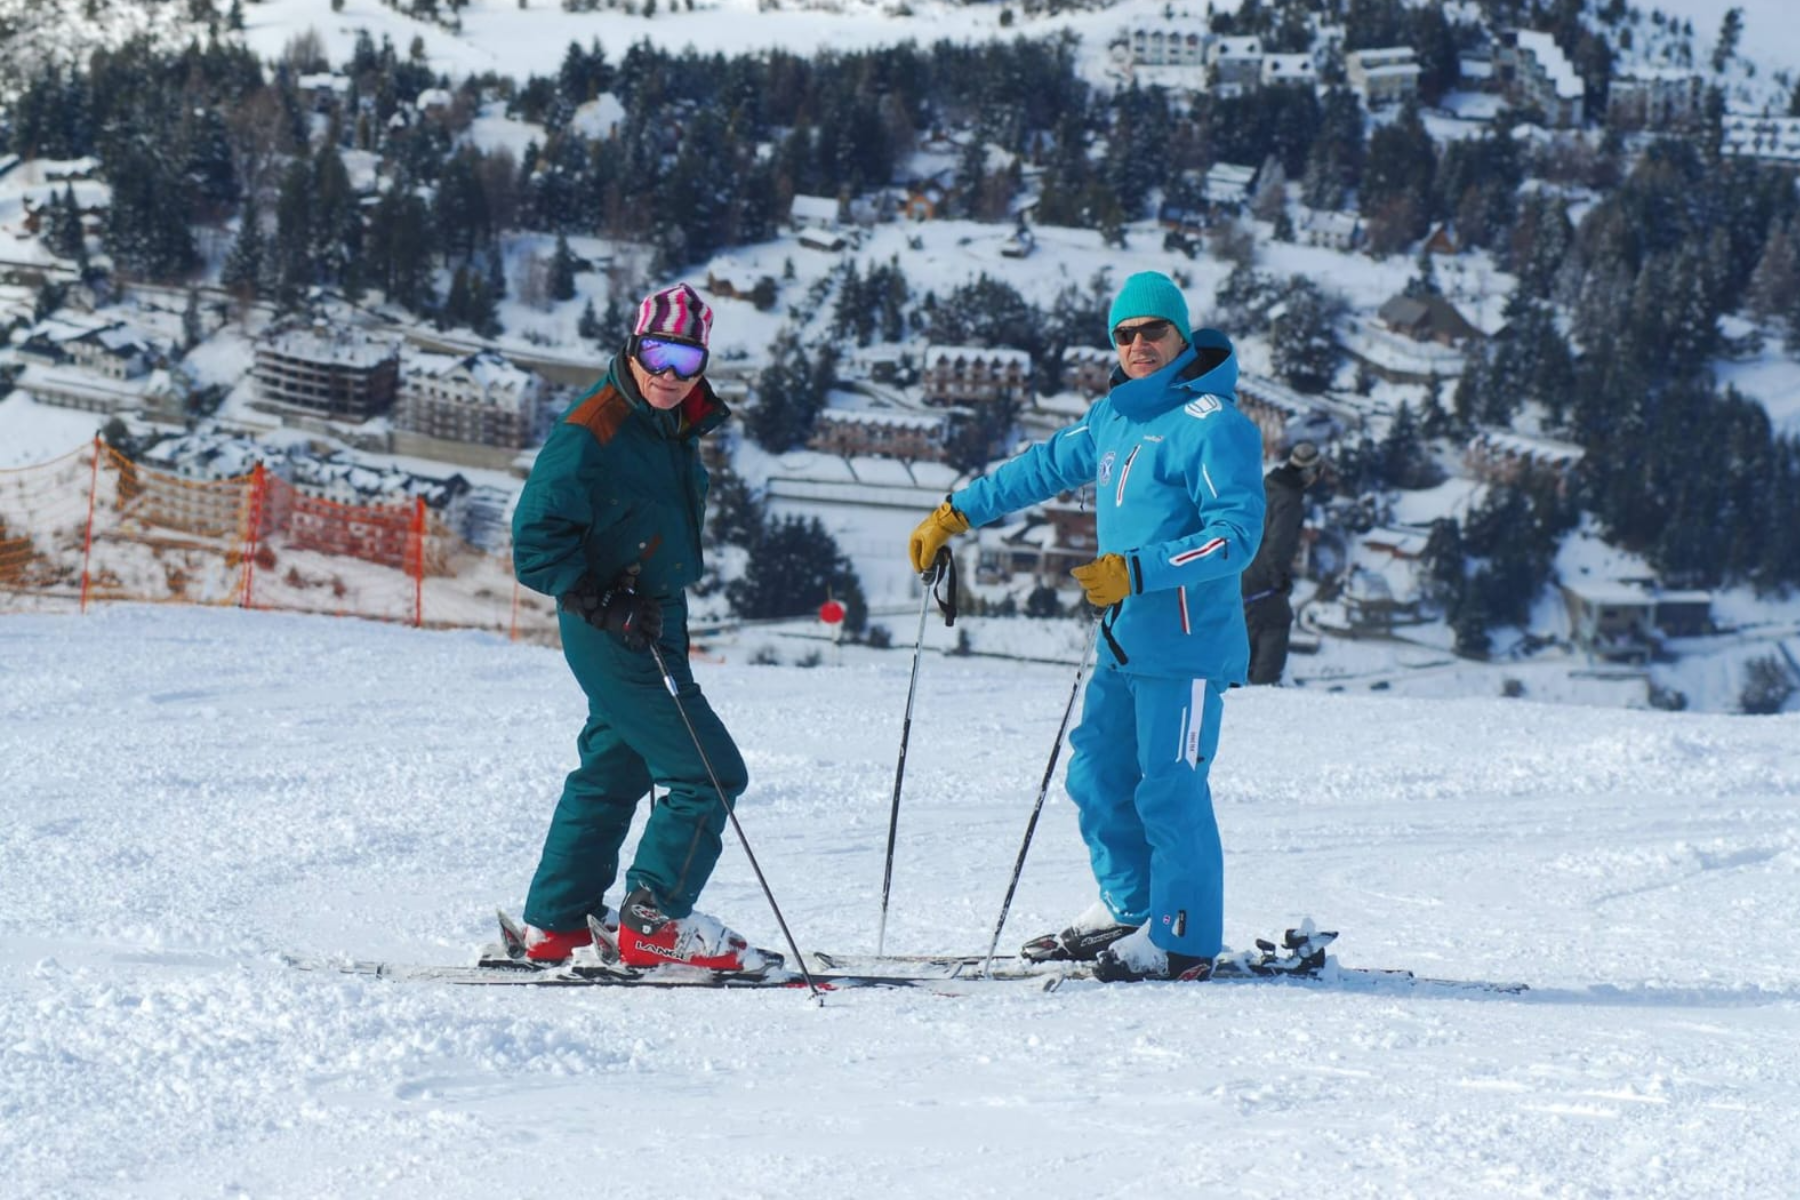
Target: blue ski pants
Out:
[1137,774]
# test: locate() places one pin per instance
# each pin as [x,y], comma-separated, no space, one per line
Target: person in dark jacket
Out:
[1268,616]
[609,523]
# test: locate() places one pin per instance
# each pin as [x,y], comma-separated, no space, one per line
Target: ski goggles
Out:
[662,355]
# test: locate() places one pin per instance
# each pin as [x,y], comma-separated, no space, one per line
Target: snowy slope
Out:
[184,794]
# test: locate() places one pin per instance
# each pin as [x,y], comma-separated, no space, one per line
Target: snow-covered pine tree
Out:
[208,162]
[734,513]
[849,304]
[336,219]
[147,232]
[242,271]
[786,404]
[1774,289]
[793,568]
[291,252]
[1539,242]
[1404,457]
[1303,349]
[62,232]
[562,271]
[1445,573]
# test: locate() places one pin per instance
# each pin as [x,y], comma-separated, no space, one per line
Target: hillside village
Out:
[351,392]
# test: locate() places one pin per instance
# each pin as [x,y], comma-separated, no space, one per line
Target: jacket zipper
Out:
[1125,474]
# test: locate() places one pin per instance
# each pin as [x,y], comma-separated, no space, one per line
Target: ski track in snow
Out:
[185,794]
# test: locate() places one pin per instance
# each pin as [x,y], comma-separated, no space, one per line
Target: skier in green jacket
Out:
[609,523]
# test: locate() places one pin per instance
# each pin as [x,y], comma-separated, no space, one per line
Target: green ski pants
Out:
[635,737]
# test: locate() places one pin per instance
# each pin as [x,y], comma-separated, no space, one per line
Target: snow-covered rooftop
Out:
[1757,136]
[1556,65]
[489,369]
[996,355]
[206,453]
[340,344]
[1529,446]
[599,118]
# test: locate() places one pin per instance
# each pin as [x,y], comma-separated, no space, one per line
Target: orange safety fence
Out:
[94,526]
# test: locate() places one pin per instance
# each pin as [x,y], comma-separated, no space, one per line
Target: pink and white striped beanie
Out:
[675,312]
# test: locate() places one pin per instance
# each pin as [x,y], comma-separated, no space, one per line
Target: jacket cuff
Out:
[962,504]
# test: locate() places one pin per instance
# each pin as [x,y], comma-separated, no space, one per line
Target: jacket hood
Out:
[1208,365]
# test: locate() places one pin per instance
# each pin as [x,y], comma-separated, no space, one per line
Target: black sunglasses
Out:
[1153,331]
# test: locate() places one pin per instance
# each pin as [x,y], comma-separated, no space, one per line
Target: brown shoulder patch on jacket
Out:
[601,413]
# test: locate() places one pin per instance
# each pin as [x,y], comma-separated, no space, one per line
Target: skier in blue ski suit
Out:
[1177,472]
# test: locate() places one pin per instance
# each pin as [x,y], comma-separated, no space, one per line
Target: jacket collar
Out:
[1207,365]
[699,414]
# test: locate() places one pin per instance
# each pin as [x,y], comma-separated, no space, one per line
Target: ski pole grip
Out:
[939,564]
[943,576]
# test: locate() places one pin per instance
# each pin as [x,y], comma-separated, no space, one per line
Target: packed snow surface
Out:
[186,794]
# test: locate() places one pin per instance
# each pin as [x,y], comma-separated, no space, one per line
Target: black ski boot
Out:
[1089,934]
[1135,958]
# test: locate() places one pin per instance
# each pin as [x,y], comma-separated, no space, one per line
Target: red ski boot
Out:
[648,938]
[547,947]
[554,945]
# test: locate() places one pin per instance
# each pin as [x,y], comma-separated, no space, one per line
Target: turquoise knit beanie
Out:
[1150,294]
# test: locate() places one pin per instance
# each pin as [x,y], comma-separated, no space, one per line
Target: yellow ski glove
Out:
[1107,580]
[943,524]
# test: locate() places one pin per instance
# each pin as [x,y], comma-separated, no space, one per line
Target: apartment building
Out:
[1655,98]
[881,433]
[973,376]
[1541,76]
[1182,44]
[344,374]
[1384,76]
[483,398]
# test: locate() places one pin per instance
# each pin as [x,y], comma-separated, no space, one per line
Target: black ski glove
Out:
[629,615]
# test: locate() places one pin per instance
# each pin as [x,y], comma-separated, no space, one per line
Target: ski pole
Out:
[674,694]
[929,578]
[1087,649]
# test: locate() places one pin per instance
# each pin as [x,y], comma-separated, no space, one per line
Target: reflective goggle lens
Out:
[683,358]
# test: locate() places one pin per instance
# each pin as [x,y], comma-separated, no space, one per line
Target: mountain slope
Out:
[188,793]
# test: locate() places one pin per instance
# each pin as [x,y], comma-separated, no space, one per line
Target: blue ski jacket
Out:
[1177,473]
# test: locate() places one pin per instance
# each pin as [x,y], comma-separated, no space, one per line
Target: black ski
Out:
[504,964]
[1300,957]
[594,974]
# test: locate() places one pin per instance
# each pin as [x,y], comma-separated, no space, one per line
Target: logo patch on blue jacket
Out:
[1106,467]
[1204,407]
